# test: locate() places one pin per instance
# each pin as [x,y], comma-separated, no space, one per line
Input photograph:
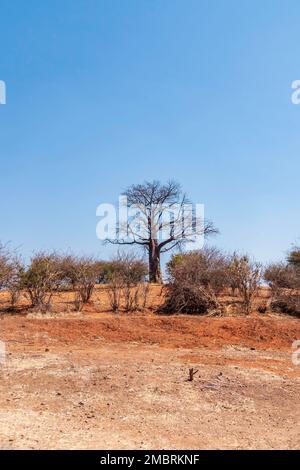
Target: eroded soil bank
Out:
[121,382]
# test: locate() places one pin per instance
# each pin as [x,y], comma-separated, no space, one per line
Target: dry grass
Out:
[63,302]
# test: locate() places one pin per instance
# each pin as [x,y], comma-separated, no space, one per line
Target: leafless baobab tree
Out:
[163,219]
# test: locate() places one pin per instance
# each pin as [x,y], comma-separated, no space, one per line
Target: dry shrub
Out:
[145,289]
[106,270]
[41,279]
[286,302]
[284,281]
[4,266]
[14,283]
[127,283]
[183,297]
[81,272]
[11,270]
[114,291]
[246,275]
[262,307]
[207,267]
[85,275]
[67,266]
[281,276]
[196,279]
[293,257]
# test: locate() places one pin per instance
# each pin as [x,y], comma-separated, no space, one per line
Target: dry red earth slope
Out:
[98,380]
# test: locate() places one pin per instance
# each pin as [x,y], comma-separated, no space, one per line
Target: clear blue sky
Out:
[105,93]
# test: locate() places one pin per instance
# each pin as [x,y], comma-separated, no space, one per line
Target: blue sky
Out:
[105,93]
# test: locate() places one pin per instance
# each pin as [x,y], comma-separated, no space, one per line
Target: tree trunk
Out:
[154,263]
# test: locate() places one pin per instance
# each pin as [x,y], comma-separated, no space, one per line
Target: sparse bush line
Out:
[197,281]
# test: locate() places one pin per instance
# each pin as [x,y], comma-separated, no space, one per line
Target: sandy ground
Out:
[120,382]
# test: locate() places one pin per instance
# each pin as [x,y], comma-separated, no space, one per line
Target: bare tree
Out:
[164,220]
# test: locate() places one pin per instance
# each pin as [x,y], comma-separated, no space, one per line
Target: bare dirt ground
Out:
[104,381]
